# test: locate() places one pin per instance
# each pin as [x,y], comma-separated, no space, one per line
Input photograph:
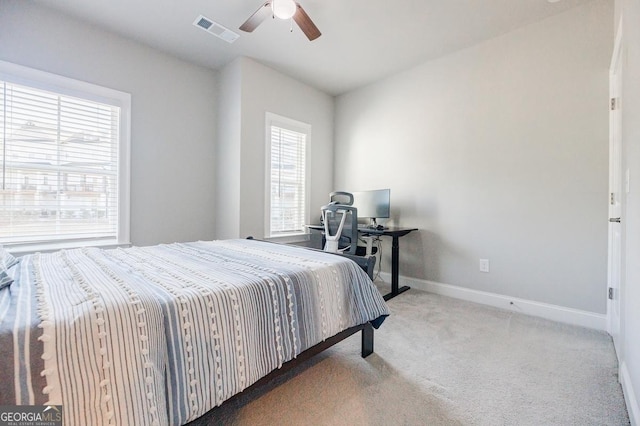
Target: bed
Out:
[162,334]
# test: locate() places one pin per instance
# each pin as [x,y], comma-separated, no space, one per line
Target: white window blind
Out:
[288,179]
[58,166]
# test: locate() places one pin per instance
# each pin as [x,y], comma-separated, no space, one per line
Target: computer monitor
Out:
[375,204]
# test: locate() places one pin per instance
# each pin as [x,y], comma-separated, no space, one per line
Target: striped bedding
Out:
[160,335]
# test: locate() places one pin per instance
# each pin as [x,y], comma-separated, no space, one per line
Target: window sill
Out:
[22,249]
[286,239]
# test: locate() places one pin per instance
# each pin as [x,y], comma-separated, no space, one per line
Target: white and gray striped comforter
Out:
[160,335]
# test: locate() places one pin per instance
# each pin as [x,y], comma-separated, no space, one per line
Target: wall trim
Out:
[528,307]
[629,395]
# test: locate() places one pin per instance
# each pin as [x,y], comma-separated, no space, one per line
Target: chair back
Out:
[340,228]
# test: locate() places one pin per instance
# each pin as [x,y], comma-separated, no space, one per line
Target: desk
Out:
[395,233]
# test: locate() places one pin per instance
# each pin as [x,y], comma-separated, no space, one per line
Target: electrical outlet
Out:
[484,265]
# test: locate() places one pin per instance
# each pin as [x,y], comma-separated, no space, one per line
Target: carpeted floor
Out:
[442,361]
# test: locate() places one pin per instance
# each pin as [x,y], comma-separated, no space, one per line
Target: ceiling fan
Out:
[283,9]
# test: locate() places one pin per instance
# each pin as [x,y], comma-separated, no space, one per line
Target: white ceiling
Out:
[362,40]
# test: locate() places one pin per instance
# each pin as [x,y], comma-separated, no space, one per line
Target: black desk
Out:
[395,233]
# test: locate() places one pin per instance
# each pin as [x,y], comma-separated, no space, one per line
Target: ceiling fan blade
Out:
[306,24]
[256,19]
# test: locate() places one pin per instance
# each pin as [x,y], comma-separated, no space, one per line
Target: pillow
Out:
[6,260]
[5,280]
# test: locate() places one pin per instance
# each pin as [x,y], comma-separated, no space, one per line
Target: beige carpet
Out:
[442,361]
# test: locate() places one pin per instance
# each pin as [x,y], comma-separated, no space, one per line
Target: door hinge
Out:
[612,199]
[610,293]
[613,104]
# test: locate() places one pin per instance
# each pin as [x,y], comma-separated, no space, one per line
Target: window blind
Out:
[288,181]
[58,166]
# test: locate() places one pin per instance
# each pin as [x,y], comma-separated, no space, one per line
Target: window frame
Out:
[272,119]
[43,80]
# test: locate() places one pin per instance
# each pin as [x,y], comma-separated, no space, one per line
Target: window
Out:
[287,181]
[64,168]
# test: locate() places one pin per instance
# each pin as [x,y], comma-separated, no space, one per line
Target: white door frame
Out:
[615,283]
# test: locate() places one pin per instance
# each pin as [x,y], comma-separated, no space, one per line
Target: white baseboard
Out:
[528,307]
[629,395]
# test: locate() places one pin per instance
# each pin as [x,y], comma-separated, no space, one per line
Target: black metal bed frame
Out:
[366,350]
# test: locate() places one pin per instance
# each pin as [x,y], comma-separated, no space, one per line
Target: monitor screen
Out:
[373,204]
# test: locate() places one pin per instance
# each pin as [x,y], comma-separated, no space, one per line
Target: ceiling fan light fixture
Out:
[284,9]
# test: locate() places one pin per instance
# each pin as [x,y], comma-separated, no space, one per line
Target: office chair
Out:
[340,228]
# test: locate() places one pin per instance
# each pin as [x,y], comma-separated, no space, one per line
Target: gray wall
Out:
[629,353]
[499,151]
[227,214]
[263,89]
[173,114]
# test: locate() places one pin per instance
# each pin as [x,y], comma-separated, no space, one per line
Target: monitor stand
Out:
[373,224]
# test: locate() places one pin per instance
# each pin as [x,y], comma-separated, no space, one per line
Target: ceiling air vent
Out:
[216,29]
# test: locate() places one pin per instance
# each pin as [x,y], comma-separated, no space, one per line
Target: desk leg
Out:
[395,270]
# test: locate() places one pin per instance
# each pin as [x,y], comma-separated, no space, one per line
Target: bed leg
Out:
[367,340]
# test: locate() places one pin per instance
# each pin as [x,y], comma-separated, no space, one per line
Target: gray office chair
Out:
[340,228]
